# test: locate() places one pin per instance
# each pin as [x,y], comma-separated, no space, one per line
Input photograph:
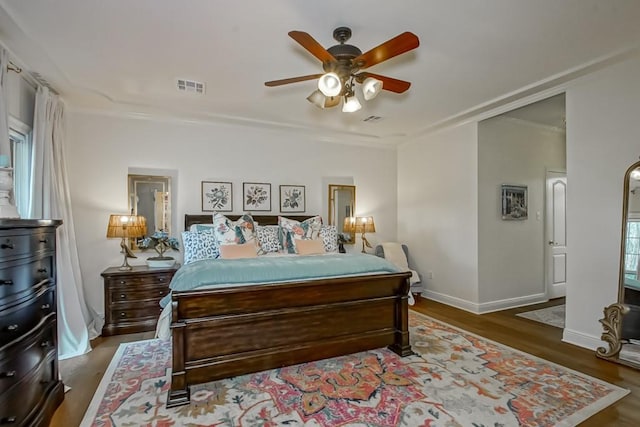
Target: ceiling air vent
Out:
[372,119]
[185,85]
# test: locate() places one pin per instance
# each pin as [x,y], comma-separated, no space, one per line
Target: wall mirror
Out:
[342,204]
[150,196]
[621,320]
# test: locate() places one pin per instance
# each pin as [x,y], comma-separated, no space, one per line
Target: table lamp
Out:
[126,226]
[365,224]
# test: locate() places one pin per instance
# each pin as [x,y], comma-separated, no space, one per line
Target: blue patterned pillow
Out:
[268,238]
[329,236]
[199,245]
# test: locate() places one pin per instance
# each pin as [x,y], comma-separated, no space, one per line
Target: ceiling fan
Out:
[342,66]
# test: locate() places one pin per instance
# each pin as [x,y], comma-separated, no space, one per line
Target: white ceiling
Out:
[126,55]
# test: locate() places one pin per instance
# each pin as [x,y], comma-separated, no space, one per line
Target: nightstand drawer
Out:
[131,294]
[141,312]
[139,280]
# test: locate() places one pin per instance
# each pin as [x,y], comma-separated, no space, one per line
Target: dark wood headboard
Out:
[189,220]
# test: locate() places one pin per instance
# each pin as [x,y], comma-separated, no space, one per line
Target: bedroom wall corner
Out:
[437,212]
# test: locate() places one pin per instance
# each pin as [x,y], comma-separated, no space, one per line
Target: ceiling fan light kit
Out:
[342,64]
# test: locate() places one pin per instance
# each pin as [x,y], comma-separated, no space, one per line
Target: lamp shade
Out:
[330,84]
[125,226]
[349,224]
[365,224]
[351,105]
[318,99]
[371,88]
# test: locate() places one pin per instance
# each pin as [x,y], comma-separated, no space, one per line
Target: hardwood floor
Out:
[83,373]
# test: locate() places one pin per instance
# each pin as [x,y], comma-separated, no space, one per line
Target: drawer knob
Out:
[42,270]
[12,328]
[122,282]
[44,240]
[123,296]
[45,306]
[7,245]
[45,344]
[123,314]
[8,374]
[7,282]
[160,279]
[8,420]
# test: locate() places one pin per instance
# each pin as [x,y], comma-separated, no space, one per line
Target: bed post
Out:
[179,390]
[401,344]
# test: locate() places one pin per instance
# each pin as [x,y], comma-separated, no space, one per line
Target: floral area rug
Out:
[456,379]
[553,316]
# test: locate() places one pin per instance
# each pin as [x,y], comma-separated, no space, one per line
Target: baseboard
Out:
[505,304]
[452,301]
[486,307]
[581,339]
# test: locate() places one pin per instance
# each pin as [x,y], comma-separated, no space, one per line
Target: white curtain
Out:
[4,113]
[52,200]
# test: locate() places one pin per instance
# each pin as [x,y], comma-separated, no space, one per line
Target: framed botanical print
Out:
[256,196]
[217,196]
[292,198]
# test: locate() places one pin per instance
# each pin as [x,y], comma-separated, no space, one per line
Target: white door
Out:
[556,234]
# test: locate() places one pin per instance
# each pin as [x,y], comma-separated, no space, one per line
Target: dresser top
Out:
[138,269]
[28,223]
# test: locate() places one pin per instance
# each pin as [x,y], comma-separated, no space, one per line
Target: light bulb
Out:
[330,84]
[371,88]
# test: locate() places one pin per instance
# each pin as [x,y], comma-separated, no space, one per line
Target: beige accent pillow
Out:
[244,250]
[310,247]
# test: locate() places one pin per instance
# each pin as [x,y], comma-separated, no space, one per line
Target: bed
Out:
[223,332]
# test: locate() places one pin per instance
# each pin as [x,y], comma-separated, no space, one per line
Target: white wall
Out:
[437,212]
[101,149]
[603,140]
[511,253]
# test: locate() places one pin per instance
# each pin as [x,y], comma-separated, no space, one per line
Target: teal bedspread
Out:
[266,269]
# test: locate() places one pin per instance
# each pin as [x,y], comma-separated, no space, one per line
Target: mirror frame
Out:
[614,313]
[331,198]
[132,181]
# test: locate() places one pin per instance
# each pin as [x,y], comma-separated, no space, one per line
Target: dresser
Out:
[30,388]
[132,298]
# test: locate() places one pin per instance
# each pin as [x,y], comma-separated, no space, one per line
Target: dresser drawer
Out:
[25,354]
[19,243]
[18,277]
[22,318]
[19,404]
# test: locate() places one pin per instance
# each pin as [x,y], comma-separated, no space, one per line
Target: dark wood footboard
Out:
[219,333]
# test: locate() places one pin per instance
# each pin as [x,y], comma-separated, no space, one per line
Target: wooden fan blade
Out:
[292,80]
[315,48]
[387,50]
[388,83]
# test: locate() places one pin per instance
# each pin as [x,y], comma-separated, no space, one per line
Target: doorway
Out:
[555,234]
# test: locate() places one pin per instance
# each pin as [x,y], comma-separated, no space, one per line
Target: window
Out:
[632,250]
[21,159]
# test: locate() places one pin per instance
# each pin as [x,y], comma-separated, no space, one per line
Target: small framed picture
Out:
[217,196]
[292,198]
[256,196]
[514,202]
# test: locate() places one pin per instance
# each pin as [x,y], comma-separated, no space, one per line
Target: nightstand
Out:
[131,298]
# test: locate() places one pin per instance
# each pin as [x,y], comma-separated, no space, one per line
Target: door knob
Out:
[551,242]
